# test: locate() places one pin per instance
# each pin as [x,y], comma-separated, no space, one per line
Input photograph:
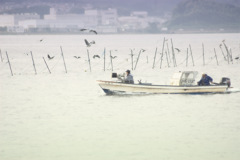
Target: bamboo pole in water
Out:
[216,55]
[167,59]
[203,54]
[168,53]
[228,56]
[162,53]
[63,60]
[132,58]
[111,59]
[89,62]
[137,59]
[154,58]
[223,53]
[9,64]
[33,63]
[173,55]
[46,65]
[231,55]
[191,54]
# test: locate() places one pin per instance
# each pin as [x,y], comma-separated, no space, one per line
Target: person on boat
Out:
[129,77]
[205,80]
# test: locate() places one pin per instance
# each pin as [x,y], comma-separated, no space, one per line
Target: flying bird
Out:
[49,57]
[89,43]
[41,40]
[96,56]
[178,49]
[77,57]
[83,29]
[93,31]
[237,58]
[113,57]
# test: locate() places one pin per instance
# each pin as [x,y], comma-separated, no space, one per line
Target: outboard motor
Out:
[225,81]
[114,75]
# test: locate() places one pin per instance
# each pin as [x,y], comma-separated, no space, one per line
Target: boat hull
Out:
[110,87]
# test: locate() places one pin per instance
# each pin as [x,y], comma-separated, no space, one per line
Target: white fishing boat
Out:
[181,83]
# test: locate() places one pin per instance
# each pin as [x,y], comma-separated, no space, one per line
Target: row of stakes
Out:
[227,57]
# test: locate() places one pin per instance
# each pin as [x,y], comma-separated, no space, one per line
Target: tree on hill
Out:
[204,14]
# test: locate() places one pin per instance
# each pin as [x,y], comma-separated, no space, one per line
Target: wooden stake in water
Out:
[104,59]
[173,55]
[132,58]
[89,62]
[187,58]
[137,59]
[162,53]
[154,58]
[191,54]
[9,64]
[1,55]
[33,63]
[216,55]
[168,53]
[46,65]
[63,60]
[228,54]
[203,54]
[167,59]
[111,59]
[223,53]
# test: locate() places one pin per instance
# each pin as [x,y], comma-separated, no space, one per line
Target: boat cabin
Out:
[184,78]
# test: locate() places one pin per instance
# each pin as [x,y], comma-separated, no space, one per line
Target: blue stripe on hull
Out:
[109,92]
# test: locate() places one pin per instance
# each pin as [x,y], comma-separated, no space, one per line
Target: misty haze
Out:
[119,79]
[116,16]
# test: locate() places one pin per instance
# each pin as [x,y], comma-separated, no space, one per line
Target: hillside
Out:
[125,7]
[205,14]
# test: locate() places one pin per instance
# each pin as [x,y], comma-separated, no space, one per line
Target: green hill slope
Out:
[205,14]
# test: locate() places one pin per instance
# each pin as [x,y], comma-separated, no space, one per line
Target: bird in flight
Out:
[96,56]
[41,40]
[77,57]
[93,31]
[49,57]
[90,30]
[178,49]
[89,43]
[83,29]
[113,57]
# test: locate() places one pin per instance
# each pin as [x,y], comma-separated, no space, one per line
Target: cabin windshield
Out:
[188,78]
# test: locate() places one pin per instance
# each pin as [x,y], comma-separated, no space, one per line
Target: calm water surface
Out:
[67,116]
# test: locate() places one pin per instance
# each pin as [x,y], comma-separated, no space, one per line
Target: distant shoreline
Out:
[125,33]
